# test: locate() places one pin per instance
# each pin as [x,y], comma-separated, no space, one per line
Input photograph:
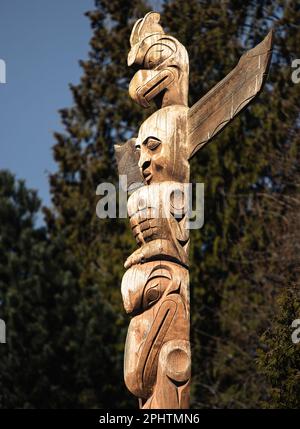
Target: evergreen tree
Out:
[230,308]
[26,290]
[60,286]
[42,364]
[278,354]
[102,115]
[228,301]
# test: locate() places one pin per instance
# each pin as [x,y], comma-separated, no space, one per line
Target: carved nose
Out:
[144,160]
[145,165]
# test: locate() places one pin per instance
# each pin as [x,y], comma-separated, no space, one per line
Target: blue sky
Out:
[41,42]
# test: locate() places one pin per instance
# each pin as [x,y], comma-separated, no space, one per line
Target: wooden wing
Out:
[222,103]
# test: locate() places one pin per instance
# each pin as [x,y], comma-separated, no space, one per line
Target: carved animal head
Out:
[145,284]
[163,63]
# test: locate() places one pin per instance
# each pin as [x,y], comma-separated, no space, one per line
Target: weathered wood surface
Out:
[222,103]
[155,287]
[163,62]
[157,353]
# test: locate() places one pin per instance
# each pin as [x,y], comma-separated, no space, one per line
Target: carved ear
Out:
[150,25]
[145,26]
[134,37]
[127,157]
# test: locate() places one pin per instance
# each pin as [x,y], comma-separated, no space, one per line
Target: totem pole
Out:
[155,287]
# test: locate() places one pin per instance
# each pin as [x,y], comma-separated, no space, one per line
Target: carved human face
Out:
[162,142]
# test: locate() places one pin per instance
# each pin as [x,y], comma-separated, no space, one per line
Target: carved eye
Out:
[152,295]
[153,143]
[156,55]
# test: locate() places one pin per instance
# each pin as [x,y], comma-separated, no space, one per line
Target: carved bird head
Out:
[163,63]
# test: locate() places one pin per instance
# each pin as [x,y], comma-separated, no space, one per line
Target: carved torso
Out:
[158,218]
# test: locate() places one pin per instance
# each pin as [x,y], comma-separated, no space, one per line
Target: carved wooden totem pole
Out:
[155,287]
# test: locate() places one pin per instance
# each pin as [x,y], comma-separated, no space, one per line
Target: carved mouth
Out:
[147,84]
[147,175]
[156,87]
